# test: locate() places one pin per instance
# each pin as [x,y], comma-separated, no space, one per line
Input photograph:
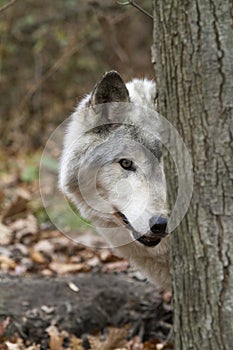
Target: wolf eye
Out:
[127,164]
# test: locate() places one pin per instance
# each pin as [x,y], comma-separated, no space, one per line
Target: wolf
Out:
[111,168]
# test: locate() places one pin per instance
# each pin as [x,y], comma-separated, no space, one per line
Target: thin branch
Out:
[138,7]
[3,8]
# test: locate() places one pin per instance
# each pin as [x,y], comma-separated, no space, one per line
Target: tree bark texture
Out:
[193,59]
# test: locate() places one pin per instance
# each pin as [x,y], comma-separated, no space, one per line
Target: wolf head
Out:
[112,167]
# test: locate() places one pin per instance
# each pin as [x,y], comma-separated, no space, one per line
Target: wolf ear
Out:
[110,88]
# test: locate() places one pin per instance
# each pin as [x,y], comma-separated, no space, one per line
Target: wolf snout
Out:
[158,225]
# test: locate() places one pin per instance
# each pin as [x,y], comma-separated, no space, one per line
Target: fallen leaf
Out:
[116,266]
[14,346]
[44,246]
[21,248]
[56,339]
[37,257]
[76,343]
[62,268]
[154,344]
[73,287]
[135,344]
[33,347]
[107,256]
[116,339]
[9,179]
[22,192]
[7,263]
[93,261]
[75,259]
[18,205]
[60,243]
[160,346]
[6,234]
[5,251]
[86,254]
[24,227]
[46,272]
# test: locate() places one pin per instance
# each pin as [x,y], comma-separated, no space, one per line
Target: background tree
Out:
[193,51]
[63,50]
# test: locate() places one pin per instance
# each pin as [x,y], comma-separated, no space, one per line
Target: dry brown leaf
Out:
[107,256]
[37,257]
[62,268]
[75,259]
[50,234]
[8,179]
[17,206]
[33,347]
[154,344]
[93,261]
[86,254]
[25,227]
[6,234]
[44,245]
[12,346]
[76,343]
[56,338]
[46,272]
[116,266]
[60,243]
[3,346]
[22,192]
[95,343]
[19,345]
[22,248]
[15,346]
[135,344]
[6,263]
[116,339]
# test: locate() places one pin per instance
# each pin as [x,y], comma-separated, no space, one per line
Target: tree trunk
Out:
[193,57]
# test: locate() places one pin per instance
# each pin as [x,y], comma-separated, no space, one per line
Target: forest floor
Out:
[56,294]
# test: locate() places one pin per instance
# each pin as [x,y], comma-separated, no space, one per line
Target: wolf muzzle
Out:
[157,226]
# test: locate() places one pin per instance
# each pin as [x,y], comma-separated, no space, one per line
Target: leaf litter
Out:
[29,244]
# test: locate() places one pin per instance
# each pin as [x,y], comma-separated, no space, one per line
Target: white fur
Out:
[154,262]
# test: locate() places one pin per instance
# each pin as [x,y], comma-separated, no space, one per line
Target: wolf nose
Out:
[158,225]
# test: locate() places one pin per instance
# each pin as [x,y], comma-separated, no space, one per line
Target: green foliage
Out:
[30,173]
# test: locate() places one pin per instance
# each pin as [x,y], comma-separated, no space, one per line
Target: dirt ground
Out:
[82,305]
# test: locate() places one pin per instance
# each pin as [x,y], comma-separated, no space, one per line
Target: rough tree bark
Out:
[193,58]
